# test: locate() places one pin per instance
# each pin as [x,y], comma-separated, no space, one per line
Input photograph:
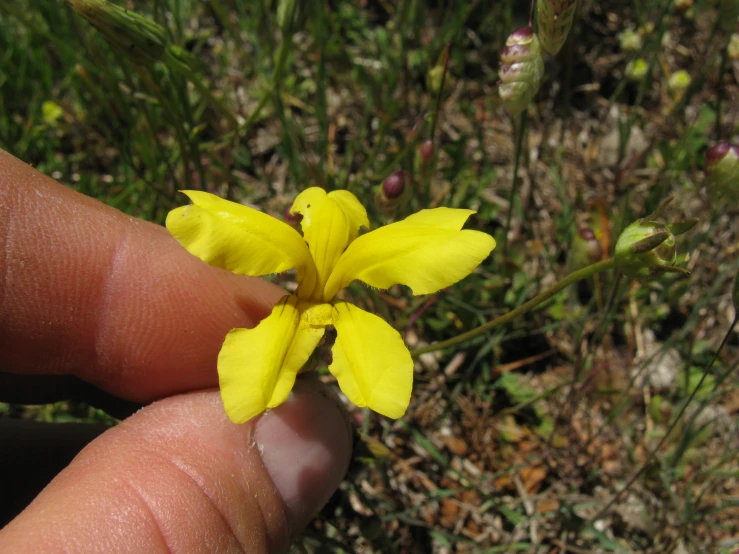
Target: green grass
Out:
[516,439]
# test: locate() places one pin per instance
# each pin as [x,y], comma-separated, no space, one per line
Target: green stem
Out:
[672,426]
[720,91]
[195,79]
[520,132]
[440,92]
[573,277]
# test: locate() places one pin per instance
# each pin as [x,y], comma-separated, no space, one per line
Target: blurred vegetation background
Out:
[517,440]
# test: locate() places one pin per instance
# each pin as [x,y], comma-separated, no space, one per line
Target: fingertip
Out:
[179,476]
[306,447]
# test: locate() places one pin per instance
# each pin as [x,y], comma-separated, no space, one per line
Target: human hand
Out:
[89,293]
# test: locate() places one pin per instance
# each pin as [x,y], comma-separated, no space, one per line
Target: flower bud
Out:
[732,50]
[394,192]
[585,250]
[133,35]
[647,247]
[394,185]
[427,151]
[438,75]
[630,40]
[554,18]
[644,246]
[679,82]
[722,170]
[521,70]
[637,69]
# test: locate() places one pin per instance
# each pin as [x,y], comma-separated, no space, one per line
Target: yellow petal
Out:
[426,251]
[238,238]
[371,362]
[330,222]
[257,367]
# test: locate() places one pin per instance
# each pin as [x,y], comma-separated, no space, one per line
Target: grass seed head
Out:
[521,70]
[137,37]
[554,18]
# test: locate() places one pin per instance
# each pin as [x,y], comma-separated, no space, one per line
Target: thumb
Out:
[178,476]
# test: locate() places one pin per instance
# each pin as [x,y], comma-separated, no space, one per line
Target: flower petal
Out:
[257,367]
[330,222]
[427,251]
[371,362]
[238,238]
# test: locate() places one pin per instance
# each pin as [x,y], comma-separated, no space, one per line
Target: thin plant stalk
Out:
[439,94]
[520,132]
[605,265]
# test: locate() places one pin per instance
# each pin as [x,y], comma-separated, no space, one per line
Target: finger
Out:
[89,291]
[180,477]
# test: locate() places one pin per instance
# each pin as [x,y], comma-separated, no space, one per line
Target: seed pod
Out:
[554,19]
[521,70]
[647,247]
[722,170]
[133,35]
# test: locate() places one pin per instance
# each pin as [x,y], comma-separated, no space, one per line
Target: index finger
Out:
[88,291]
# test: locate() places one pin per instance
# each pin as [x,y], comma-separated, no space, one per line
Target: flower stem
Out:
[520,132]
[573,277]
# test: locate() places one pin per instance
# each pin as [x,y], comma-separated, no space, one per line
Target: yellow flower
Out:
[257,367]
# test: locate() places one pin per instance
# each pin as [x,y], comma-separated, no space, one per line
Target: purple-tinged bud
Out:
[394,185]
[585,249]
[554,18]
[521,70]
[291,218]
[521,35]
[592,246]
[427,151]
[394,192]
[717,153]
[722,171]
[586,233]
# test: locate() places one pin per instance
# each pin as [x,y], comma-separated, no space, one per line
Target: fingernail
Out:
[305,445]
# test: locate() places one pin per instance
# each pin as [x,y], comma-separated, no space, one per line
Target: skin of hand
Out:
[89,293]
